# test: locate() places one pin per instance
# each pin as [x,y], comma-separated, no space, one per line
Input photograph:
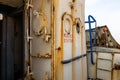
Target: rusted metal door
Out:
[41,39]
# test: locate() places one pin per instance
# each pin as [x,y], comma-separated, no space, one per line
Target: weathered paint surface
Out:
[106,55]
[69,42]
[103,38]
[58,34]
[106,65]
[41,43]
[116,71]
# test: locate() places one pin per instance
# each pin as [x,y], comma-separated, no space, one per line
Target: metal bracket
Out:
[28,4]
[28,37]
[29,74]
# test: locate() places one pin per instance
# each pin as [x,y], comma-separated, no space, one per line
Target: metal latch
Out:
[28,37]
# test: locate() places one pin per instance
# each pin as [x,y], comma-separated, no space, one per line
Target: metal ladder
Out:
[104,68]
[91,20]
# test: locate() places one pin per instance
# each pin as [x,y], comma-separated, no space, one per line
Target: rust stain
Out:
[62,50]
[60,55]
[53,42]
[82,48]
[39,55]
[57,56]
[46,76]
[73,40]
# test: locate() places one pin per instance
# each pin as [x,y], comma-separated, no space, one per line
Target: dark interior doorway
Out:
[12,47]
[1,21]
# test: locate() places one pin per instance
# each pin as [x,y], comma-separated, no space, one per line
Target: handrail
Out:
[73,59]
[90,33]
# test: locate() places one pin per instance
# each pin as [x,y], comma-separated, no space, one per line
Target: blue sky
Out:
[106,12]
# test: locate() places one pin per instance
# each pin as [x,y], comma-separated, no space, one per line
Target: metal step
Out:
[104,69]
[104,59]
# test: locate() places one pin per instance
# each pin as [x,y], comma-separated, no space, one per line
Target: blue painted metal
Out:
[90,33]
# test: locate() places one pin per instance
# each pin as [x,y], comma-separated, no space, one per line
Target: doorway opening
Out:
[0,41]
[12,47]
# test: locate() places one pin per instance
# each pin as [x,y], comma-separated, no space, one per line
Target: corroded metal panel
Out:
[41,43]
[58,34]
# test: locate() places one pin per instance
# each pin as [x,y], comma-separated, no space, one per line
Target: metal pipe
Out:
[73,59]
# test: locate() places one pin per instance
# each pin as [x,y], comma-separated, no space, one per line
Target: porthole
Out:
[78,27]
